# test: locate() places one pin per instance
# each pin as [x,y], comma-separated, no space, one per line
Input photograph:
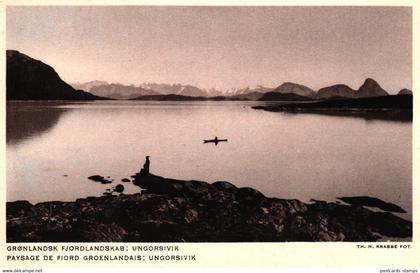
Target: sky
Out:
[218,47]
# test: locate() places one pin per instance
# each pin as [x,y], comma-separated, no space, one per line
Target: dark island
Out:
[391,107]
[169,210]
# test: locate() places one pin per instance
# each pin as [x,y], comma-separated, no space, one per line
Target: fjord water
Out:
[52,147]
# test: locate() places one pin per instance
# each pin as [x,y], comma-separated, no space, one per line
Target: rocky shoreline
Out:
[169,210]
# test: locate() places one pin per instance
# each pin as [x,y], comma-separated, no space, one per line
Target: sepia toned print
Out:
[209,124]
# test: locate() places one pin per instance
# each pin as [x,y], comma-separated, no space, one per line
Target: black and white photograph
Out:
[204,124]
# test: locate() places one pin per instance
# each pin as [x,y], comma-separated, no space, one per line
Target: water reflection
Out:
[282,155]
[26,120]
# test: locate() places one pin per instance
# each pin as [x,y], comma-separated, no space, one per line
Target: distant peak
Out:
[289,83]
[405,91]
[14,54]
[370,81]
[371,88]
[370,84]
[12,51]
[293,84]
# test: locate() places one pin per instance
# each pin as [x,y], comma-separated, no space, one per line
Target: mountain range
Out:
[370,88]
[31,79]
[178,89]
[88,85]
[121,91]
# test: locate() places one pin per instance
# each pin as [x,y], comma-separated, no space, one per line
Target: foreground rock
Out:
[372,202]
[100,179]
[169,210]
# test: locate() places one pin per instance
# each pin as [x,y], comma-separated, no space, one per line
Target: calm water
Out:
[283,155]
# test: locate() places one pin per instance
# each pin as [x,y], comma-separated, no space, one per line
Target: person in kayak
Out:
[215,140]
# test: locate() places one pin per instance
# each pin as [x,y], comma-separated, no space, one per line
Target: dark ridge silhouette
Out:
[275,96]
[30,79]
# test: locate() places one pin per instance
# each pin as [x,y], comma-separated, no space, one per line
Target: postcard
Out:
[210,134]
